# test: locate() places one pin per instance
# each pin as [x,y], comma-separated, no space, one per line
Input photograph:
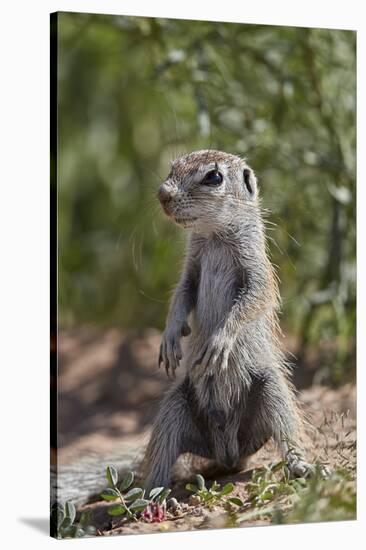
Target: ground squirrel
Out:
[235,394]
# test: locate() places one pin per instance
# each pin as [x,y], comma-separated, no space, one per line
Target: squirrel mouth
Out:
[184,221]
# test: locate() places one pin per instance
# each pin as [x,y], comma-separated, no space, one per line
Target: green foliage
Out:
[63,524]
[214,495]
[132,501]
[333,499]
[271,482]
[272,494]
[112,476]
[135,92]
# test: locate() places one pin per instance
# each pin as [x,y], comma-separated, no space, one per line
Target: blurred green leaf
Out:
[227,489]
[116,510]
[139,505]
[112,476]
[109,494]
[200,482]
[134,494]
[70,512]
[85,518]
[155,492]
[293,117]
[164,495]
[126,482]
[236,500]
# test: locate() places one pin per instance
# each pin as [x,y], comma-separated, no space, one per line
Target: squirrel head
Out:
[208,191]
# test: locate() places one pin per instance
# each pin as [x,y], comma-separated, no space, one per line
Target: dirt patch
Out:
[109,389]
[331,441]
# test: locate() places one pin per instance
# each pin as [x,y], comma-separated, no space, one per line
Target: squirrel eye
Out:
[214,177]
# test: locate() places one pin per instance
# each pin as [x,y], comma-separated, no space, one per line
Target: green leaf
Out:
[236,500]
[58,515]
[68,531]
[191,487]
[70,513]
[227,489]
[139,505]
[301,481]
[126,482]
[74,531]
[90,530]
[278,466]
[85,518]
[66,523]
[112,476]
[200,482]
[79,533]
[163,496]
[133,494]
[116,510]
[156,492]
[215,486]
[109,494]
[267,495]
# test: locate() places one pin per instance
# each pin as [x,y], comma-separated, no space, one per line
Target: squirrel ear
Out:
[250,182]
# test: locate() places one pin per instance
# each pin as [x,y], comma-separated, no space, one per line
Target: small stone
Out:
[173,505]
[197,512]
[194,500]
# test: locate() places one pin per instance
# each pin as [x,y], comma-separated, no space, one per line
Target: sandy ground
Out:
[109,389]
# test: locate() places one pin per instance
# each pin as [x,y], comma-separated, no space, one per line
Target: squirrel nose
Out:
[164,194]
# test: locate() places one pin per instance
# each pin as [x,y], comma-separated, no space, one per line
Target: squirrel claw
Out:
[167,369]
[299,468]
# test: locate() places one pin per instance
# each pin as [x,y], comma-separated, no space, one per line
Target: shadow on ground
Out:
[109,387]
[39,524]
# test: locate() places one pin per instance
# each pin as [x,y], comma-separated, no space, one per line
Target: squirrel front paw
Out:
[170,349]
[215,352]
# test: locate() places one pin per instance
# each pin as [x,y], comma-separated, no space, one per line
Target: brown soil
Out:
[109,387]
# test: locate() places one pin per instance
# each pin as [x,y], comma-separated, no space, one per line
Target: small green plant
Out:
[63,524]
[332,499]
[272,494]
[270,482]
[214,495]
[132,502]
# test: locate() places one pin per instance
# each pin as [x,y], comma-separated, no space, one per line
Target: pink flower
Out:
[154,513]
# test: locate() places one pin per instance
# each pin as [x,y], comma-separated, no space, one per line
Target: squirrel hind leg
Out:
[255,427]
[271,412]
[174,433]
